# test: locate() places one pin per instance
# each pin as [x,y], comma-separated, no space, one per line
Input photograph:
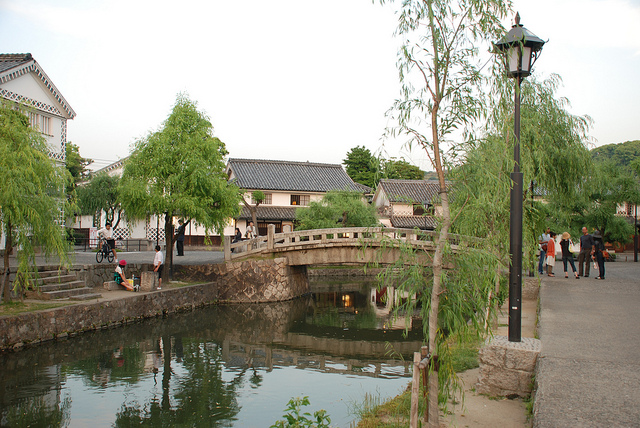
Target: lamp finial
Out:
[517,18]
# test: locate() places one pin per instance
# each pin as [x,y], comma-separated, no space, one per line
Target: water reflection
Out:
[220,366]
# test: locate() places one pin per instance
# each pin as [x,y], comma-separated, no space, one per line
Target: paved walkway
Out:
[89,257]
[589,367]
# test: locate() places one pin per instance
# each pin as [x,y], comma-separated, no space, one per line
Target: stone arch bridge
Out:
[338,246]
[274,267]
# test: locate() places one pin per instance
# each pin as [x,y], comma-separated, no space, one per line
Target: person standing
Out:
[179,236]
[250,233]
[598,252]
[106,233]
[158,263]
[543,240]
[586,245]
[551,253]
[567,255]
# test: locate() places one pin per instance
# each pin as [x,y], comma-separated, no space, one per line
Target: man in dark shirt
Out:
[586,243]
[179,236]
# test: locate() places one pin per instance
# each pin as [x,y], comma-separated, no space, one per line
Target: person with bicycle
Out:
[106,233]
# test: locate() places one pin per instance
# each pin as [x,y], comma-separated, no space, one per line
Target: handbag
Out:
[573,248]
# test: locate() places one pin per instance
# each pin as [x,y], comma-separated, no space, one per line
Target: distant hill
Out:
[430,175]
[621,154]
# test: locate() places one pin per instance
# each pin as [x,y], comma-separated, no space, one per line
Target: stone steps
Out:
[59,284]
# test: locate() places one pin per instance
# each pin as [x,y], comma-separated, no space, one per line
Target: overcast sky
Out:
[294,80]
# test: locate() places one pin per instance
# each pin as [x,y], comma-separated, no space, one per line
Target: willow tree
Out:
[180,171]
[554,160]
[101,194]
[440,75]
[32,198]
[338,208]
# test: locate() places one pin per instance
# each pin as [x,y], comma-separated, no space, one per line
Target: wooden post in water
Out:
[415,391]
[424,367]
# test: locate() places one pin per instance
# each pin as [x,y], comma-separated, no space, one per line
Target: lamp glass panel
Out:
[526,59]
[513,59]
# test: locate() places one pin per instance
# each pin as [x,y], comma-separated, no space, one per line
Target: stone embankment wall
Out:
[251,281]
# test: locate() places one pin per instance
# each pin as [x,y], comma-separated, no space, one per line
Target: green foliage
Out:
[554,160]
[101,194]
[365,168]
[400,169]
[622,155]
[294,418]
[604,187]
[362,166]
[32,196]
[76,165]
[258,196]
[180,170]
[467,296]
[337,209]
[440,83]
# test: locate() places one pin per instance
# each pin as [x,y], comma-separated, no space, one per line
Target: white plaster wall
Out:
[30,86]
[402,209]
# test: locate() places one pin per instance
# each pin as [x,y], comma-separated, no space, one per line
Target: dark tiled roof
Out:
[410,222]
[9,61]
[267,212]
[295,176]
[13,66]
[411,191]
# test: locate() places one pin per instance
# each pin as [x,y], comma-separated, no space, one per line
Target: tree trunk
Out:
[434,415]
[8,248]
[168,233]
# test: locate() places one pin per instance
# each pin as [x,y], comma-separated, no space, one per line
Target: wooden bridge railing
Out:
[345,236]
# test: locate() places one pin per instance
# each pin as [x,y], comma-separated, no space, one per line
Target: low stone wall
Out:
[251,281]
[35,327]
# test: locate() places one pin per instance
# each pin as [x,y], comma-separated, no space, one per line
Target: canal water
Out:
[227,366]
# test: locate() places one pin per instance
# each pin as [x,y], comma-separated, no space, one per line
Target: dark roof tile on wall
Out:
[266,212]
[9,61]
[411,191]
[293,176]
[410,222]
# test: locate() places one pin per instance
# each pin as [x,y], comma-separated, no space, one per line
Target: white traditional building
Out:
[287,186]
[408,203]
[24,84]
[23,81]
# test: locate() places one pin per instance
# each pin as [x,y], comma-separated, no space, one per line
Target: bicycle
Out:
[104,252]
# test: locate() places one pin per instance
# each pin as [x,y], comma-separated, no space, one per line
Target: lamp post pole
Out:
[515,229]
[521,48]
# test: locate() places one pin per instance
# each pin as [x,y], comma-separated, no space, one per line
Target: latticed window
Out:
[300,200]
[40,122]
[267,199]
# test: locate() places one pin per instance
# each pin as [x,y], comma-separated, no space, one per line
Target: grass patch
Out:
[395,412]
[15,308]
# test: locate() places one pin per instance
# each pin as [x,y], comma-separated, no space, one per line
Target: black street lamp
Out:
[520,48]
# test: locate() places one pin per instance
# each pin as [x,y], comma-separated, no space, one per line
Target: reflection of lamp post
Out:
[521,49]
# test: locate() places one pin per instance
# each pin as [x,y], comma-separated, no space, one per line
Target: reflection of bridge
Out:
[350,245]
[271,356]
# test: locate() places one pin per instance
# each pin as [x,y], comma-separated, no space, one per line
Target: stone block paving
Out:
[588,372]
